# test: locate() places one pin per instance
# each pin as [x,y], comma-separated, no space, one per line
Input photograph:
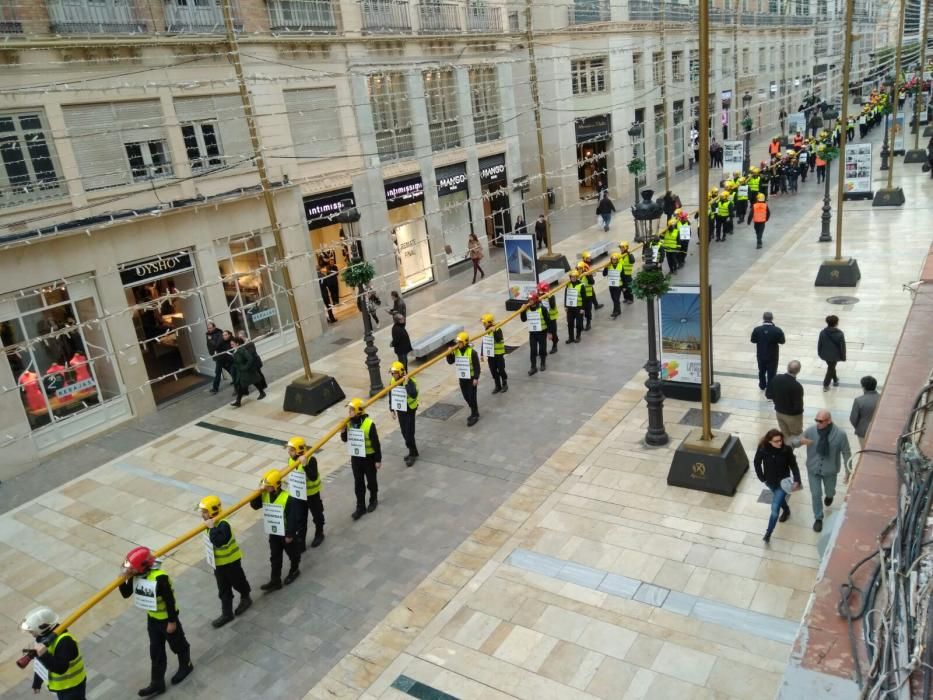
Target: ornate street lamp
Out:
[649,284]
[637,165]
[826,152]
[357,275]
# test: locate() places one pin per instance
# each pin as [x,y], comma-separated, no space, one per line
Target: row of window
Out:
[118,144]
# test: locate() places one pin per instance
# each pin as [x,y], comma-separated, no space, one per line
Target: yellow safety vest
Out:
[314,487]
[161,612]
[228,553]
[74,675]
[553,313]
[722,209]
[671,240]
[627,264]
[753,183]
[466,352]
[412,402]
[498,347]
[579,287]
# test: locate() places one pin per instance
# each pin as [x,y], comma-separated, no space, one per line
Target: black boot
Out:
[318,537]
[533,371]
[497,389]
[184,670]
[359,512]
[225,617]
[273,585]
[373,504]
[245,603]
[553,347]
[291,576]
[587,326]
[543,365]
[505,388]
[152,690]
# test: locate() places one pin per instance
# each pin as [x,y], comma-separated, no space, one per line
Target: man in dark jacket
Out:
[330,289]
[401,342]
[767,338]
[605,209]
[787,394]
[863,408]
[541,231]
[250,348]
[831,348]
[218,347]
[246,372]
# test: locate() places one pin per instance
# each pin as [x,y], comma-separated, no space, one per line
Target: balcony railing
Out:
[439,17]
[85,17]
[308,16]
[385,16]
[8,22]
[394,144]
[588,11]
[196,17]
[481,18]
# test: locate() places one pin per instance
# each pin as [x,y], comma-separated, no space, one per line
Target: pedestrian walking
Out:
[246,373]
[401,342]
[467,364]
[803,163]
[284,520]
[787,394]
[541,231]
[226,560]
[305,484]
[151,589]
[831,348]
[604,210]
[403,404]
[827,453]
[365,457]
[767,339]
[614,271]
[536,319]
[250,348]
[863,408]
[330,290]
[552,314]
[475,251]
[398,304]
[56,657]
[723,215]
[670,244]
[521,228]
[368,302]
[218,345]
[494,351]
[586,279]
[760,215]
[775,463]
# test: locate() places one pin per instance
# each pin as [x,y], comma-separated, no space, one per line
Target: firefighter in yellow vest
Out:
[741,198]
[56,657]
[628,266]
[754,185]
[536,317]
[496,361]
[301,458]
[552,313]
[294,518]
[585,257]
[586,279]
[670,244]
[723,215]
[152,591]
[466,360]
[362,439]
[573,307]
[406,414]
[228,567]
[615,272]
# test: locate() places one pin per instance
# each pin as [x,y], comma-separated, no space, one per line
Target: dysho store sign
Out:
[160,266]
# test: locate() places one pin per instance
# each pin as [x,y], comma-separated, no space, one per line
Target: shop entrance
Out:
[405,201]
[169,323]
[592,136]
[335,240]
[496,204]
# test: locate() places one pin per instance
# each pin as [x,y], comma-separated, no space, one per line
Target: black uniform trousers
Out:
[469,395]
[230,577]
[497,370]
[537,344]
[552,330]
[277,547]
[364,477]
[79,692]
[627,286]
[406,425]
[158,636]
[588,309]
[767,369]
[574,321]
[316,509]
[759,231]
[721,227]
[615,293]
[741,208]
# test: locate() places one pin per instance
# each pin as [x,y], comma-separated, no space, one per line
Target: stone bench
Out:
[435,340]
[551,276]
[599,248]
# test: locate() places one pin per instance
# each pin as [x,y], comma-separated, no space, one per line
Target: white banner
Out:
[356,442]
[733,153]
[796,121]
[858,168]
[679,328]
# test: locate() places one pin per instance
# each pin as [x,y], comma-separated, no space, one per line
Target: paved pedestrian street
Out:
[538,554]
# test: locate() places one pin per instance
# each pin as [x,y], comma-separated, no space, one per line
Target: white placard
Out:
[356,442]
[296,483]
[462,363]
[743,191]
[273,519]
[40,670]
[398,399]
[534,321]
[144,594]
[615,278]
[684,232]
[733,154]
[209,551]
[796,121]
[571,297]
[489,346]
[858,168]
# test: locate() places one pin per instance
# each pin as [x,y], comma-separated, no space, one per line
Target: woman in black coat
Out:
[774,462]
[831,347]
[401,343]
[246,372]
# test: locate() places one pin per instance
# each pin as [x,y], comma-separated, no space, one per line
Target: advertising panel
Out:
[520,266]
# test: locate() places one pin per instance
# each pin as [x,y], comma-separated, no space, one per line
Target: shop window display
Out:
[58,352]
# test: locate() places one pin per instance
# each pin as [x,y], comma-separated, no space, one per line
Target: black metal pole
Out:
[372,352]
[825,236]
[884,145]
[654,397]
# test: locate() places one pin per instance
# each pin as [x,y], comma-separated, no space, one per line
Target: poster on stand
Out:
[899,133]
[733,153]
[679,331]
[858,170]
[521,265]
[796,121]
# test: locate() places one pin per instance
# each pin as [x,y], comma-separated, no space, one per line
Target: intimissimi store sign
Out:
[331,208]
[153,268]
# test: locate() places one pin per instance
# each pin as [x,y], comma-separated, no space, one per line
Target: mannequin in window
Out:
[29,384]
[55,377]
[78,365]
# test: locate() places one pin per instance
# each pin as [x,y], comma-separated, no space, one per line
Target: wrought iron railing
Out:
[83,17]
[385,16]
[483,19]
[439,17]
[308,16]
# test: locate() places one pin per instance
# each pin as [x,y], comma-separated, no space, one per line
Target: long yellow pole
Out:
[705,344]
[843,122]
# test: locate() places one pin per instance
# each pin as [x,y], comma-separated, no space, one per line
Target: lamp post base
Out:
[893,197]
[714,466]
[915,156]
[838,273]
[312,396]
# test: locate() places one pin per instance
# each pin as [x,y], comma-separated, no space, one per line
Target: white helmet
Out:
[40,621]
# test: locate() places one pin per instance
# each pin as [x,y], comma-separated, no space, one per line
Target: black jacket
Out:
[163,591]
[376,456]
[65,653]
[767,337]
[401,343]
[831,346]
[214,340]
[787,394]
[772,465]
[296,514]
[605,206]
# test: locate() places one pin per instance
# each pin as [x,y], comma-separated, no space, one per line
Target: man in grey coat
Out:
[827,451]
[863,408]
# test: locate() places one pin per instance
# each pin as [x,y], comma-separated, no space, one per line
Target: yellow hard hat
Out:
[761,197]
[355,404]
[297,443]
[724,196]
[272,478]
[623,244]
[755,170]
[463,337]
[735,174]
[585,255]
[743,180]
[574,272]
[211,504]
[729,183]
[397,367]
[671,222]
[714,191]
[615,256]
[488,319]
[581,265]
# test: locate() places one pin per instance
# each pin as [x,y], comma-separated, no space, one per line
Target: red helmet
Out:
[533,298]
[139,560]
[543,288]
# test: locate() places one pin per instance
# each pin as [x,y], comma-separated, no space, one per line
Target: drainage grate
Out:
[694,417]
[342,341]
[441,411]
[842,301]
